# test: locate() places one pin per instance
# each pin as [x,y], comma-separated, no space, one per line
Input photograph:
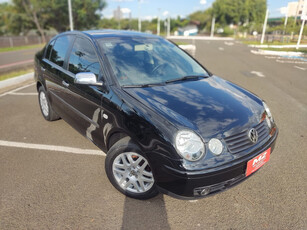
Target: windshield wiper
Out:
[191,77]
[143,85]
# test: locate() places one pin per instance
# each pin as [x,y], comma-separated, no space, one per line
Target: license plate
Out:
[257,162]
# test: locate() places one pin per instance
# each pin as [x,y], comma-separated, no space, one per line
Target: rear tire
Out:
[129,170]
[45,106]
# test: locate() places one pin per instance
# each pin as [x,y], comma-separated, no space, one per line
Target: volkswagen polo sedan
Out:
[166,123]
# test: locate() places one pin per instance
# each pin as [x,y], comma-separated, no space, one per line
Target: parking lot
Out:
[51,177]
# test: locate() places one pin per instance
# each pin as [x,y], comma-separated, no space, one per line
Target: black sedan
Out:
[166,123]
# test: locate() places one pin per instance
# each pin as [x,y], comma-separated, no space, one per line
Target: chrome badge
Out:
[253,135]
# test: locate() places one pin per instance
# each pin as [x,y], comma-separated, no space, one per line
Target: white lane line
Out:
[229,43]
[221,48]
[301,68]
[15,90]
[259,74]
[292,62]
[271,57]
[52,148]
[24,94]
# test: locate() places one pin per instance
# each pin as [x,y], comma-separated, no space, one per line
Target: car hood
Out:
[211,106]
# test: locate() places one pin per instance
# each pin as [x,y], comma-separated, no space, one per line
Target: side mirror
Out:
[86,78]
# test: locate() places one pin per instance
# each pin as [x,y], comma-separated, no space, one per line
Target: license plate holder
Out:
[257,162]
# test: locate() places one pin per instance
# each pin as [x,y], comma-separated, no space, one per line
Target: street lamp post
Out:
[158,24]
[303,17]
[70,16]
[264,25]
[139,21]
[212,27]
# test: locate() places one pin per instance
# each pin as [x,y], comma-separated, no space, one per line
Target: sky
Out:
[149,9]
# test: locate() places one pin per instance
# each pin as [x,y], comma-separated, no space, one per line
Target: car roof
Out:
[96,34]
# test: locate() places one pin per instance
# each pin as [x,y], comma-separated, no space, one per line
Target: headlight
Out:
[268,112]
[215,146]
[189,145]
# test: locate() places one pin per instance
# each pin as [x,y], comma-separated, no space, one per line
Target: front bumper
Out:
[191,185]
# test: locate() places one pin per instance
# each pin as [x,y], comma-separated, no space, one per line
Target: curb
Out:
[277,53]
[276,46]
[16,80]
[208,38]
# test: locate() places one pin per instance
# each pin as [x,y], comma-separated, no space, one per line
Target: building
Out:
[295,8]
[118,14]
[188,30]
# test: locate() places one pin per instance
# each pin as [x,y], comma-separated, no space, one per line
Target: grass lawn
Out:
[181,43]
[15,73]
[7,49]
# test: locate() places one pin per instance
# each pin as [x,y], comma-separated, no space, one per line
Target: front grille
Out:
[239,142]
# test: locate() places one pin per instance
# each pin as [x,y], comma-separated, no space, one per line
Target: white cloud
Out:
[122,0]
[283,10]
[203,2]
[165,13]
[125,10]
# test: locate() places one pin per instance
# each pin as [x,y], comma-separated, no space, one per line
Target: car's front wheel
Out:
[45,106]
[129,171]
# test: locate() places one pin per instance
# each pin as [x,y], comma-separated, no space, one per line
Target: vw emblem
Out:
[253,135]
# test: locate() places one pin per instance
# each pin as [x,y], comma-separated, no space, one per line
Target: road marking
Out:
[229,43]
[221,48]
[291,62]
[15,90]
[16,63]
[301,68]
[52,148]
[24,94]
[259,74]
[193,201]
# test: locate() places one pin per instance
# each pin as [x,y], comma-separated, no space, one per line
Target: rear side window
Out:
[60,49]
[83,58]
[49,48]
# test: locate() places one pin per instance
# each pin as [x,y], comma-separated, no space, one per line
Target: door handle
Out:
[65,83]
[43,69]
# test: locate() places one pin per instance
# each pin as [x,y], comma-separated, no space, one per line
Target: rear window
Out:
[59,50]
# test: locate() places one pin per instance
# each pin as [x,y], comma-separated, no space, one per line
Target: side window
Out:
[60,49]
[83,58]
[49,48]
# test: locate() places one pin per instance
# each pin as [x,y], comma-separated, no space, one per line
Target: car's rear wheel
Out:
[129,171]
[45,106]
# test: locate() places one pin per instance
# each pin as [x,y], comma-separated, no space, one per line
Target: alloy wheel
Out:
[132,172]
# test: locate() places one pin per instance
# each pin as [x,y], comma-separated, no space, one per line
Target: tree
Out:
[86,14]
[47,14]
[13,22]
[239,11]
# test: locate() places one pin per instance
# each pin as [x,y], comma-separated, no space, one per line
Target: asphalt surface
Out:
[17,59]
[45,189]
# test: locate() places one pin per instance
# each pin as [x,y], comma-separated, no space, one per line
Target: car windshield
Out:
[148,61]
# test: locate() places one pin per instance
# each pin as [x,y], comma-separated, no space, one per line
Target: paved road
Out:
[46,189]
[17,59]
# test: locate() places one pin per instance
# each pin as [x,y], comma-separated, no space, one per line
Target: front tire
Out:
[45,106]
[129,171]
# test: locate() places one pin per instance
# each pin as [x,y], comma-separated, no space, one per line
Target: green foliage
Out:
[85,14]
[239,11]
[227,31]
[13,22]
[22,15]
